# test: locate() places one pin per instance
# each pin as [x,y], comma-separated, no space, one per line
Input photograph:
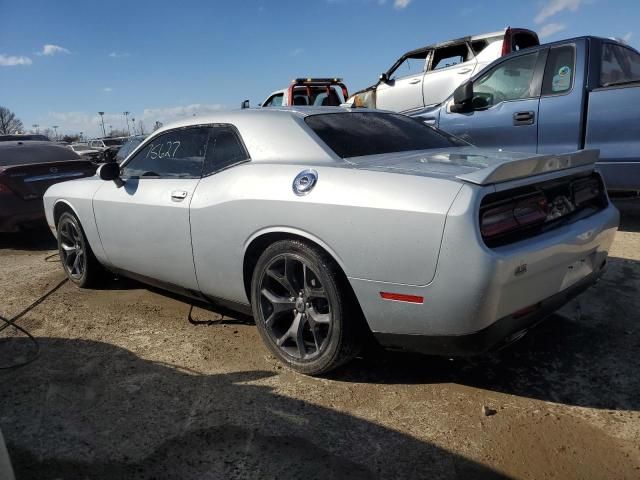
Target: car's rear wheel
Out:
[78,261]
[303,309]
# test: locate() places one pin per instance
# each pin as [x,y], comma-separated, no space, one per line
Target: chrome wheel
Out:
[294,307]
[72,248]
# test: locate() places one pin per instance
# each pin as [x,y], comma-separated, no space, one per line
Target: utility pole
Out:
[126,119]
[35,125]
[104,133]
[55,128]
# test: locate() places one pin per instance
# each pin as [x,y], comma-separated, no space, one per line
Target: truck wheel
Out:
[78,261]
[302,308]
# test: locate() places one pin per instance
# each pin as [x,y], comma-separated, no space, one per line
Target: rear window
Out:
[113,142]
[34,152]
[357,134]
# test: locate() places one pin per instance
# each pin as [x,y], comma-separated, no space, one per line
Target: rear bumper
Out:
[478,289]
[16,212]
[501,332]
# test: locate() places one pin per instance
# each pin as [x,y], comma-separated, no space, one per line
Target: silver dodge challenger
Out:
[329,225]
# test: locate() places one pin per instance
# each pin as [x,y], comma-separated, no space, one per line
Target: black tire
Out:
[76,256]
[330,326]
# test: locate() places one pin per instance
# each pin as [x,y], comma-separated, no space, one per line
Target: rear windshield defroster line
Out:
[358,134]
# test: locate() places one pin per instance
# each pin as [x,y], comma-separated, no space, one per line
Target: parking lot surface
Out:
[126,387]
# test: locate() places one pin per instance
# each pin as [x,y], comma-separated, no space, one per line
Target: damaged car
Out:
[428,75]
[320,92]
[331,224]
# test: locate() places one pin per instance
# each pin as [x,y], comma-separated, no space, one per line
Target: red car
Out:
[27,169]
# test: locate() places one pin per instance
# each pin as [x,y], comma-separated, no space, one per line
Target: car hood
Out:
[474,165]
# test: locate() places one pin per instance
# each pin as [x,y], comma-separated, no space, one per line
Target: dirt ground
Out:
[126,387]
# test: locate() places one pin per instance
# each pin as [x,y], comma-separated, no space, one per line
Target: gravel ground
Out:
[126,387]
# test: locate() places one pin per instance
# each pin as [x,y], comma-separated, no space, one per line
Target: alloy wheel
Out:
[294,307]
[72,251]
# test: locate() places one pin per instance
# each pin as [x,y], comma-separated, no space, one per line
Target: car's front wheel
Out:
[303,309]
[78,261]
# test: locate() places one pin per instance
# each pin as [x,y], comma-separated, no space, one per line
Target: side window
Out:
[450,56]
[175,154]
[619,65]
[559,71]
[274,101]
[224,149]
[511,80]
[412,65]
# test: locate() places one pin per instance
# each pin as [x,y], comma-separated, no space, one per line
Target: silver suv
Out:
[428,75]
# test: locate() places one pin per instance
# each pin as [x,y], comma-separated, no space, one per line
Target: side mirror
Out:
[109,171]
[244,104]
[462,98]
[384,78]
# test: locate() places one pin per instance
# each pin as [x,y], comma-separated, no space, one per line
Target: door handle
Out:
[464,70]
[179,195]
[414,81]
[524,118]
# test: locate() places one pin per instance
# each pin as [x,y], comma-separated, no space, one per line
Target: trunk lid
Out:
[474,165]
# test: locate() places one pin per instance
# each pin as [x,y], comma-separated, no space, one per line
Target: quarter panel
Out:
[77,194]
[380,226]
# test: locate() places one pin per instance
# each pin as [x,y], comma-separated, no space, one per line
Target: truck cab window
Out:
[274,101]
[619,65]
[511,80]
[559,71]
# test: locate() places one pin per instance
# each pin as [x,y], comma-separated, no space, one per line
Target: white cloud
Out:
[119,55]
[400,4]
[11,61]
[170,114]
[627,37]
[107,89]
[50,50]
[553,7]
[297,51]
[91,125]
[551,29]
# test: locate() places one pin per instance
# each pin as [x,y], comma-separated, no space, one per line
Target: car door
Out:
[401,91]
[505,106]
[449,67]
[143,221]
[212,210]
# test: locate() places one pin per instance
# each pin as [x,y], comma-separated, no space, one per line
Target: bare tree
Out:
[9,123]
[119,133]
[141,127]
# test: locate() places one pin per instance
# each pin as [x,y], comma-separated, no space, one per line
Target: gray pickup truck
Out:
[580,93]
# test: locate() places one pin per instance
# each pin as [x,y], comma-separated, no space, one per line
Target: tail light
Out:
[4,188]
[506,43]
[514,215]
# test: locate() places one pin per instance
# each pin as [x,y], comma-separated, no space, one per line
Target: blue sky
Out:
[62,62]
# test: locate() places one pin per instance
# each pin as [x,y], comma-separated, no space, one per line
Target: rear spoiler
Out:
[527,167]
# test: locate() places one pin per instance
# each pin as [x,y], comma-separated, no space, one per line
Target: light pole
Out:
[81,136]
[111,130]
[55,128]
[35,125]
[126,119]
[104,133]
[133,123]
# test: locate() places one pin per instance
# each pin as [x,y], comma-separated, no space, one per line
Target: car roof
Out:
[233,116]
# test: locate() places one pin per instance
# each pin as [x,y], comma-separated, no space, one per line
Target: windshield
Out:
[357,134]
